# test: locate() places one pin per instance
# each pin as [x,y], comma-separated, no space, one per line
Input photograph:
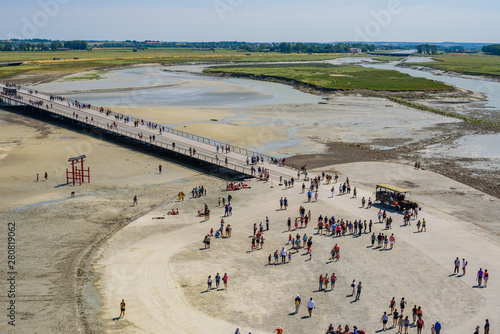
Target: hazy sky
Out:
[253,20]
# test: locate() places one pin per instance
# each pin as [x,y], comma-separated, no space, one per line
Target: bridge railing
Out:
[134,135]
[248,153]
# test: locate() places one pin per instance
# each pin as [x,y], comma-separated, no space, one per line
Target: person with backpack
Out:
[297,304]
[420,325]
[392,304]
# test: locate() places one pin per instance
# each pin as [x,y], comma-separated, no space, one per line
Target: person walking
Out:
[224,280]
[437,327]
[122,308]
[420,325]
[358,293]
[392,304]
[414,312]
[480,274]
[407,324]
[217,281]
[384,321]
[135,200]
[486,277]
[333,279]
[310,306]
[402,304]
[209,283]
[464,266]
[487,327]
[297,304]
[392,240]
[457,266]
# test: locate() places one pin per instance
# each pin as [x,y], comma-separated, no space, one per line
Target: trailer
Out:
[394,196]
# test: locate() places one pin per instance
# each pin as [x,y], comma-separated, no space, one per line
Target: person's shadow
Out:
[117,318]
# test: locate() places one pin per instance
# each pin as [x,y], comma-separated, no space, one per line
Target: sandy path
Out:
[143,277]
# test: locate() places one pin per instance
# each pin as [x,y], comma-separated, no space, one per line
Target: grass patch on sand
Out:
[331,77]
[94,75]
[475,64]
[415,105]
[39,63]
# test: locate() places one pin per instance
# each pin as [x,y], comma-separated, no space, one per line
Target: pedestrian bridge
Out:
[131,127]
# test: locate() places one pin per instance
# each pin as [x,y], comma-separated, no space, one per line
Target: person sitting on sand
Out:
[174,212]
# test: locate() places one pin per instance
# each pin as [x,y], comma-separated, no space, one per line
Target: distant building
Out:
[355,50]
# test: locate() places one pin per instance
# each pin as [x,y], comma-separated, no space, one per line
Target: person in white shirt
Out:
[310,306]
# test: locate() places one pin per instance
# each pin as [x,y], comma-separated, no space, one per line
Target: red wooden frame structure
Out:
[77,176]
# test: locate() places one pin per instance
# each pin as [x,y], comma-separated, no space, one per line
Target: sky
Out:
[253,20]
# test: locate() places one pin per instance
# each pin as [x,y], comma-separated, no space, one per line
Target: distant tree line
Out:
[42,45]
[242,46]
[493,49]
[307,47]
[427,49]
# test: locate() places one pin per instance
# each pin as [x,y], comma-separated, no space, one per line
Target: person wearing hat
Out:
[279,330]
[297,304]
[437,326]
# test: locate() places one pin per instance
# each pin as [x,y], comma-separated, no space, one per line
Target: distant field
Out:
[466,64]
[336,77]
[41,63]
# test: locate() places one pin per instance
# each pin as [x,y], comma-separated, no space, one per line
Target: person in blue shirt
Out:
[437,326]
[297,304]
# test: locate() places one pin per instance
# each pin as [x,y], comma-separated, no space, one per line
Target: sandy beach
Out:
[162,275]
[96,249]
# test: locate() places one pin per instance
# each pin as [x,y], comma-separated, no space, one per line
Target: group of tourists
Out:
[204,213]
[217,281]
[255,160]
[220,232]
[198,192]
[283,253]
[223,148]
[383,240]
[344,330]
[236,186]
[325,280]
